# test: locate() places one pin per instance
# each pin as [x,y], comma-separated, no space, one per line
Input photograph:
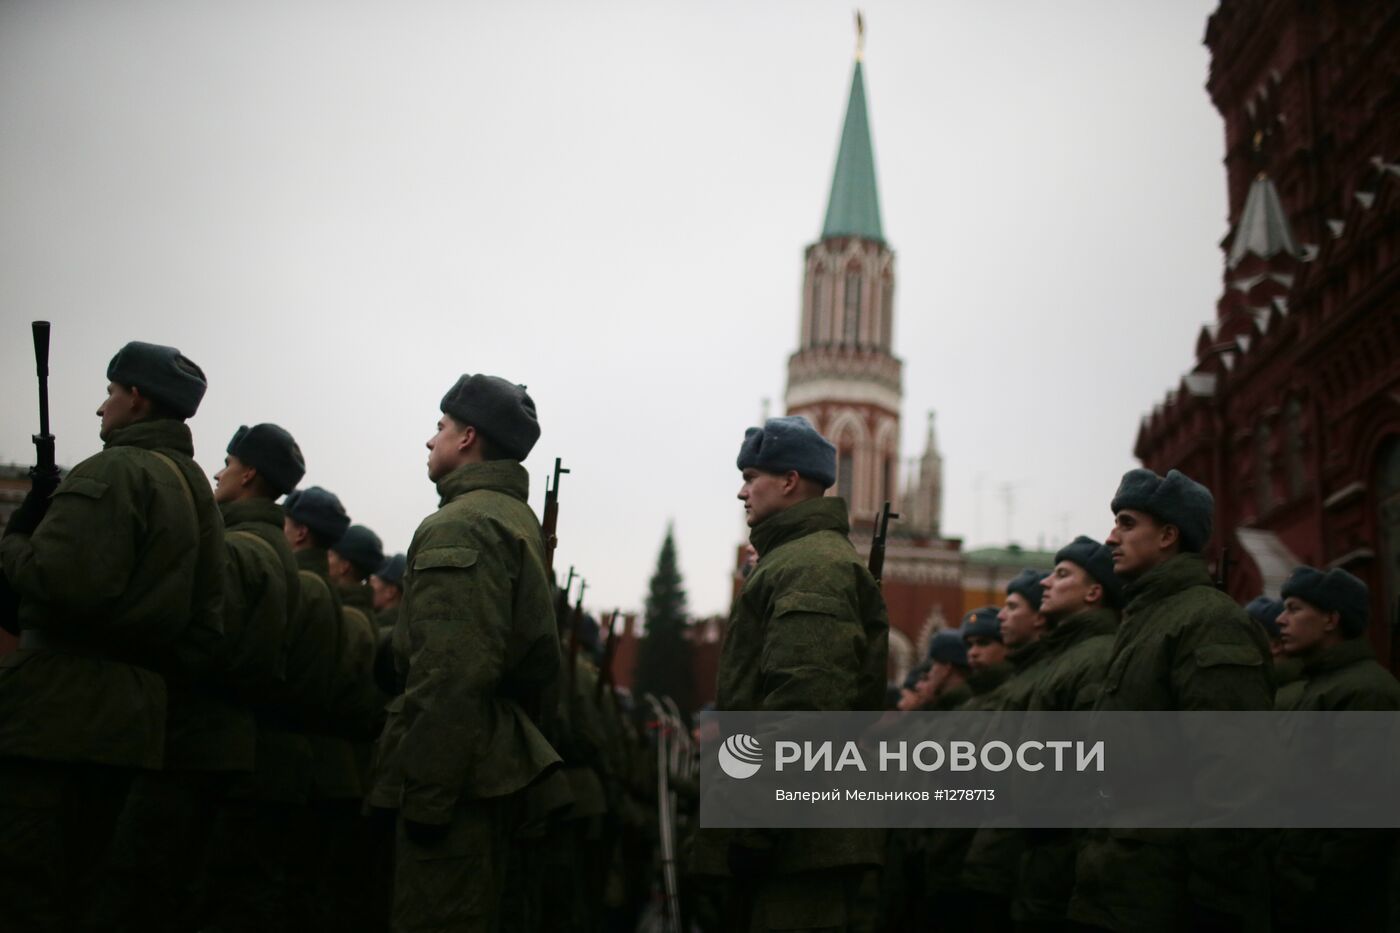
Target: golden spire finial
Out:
[860,36]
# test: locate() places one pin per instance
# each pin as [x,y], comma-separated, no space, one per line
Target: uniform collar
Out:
[256,509]
[314,559]
[1177,573]
[1083,624]
[1352,651]
[503,476]
[155,434]
[824,513]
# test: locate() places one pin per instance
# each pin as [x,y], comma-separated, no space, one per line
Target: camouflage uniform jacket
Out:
[808,632]
[480,646]
[122,578]
[1182,645]
[1077,652]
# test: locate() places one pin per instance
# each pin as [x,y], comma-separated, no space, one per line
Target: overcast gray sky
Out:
[336,208]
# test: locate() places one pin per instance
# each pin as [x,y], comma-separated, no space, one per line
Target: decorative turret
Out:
[844,376]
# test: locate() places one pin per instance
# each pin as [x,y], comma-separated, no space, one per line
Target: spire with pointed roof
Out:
[1263,228]
[854,207]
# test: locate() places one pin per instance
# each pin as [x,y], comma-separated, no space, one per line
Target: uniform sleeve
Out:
[1217,667]
[457,610]
[813,646]
[84,552]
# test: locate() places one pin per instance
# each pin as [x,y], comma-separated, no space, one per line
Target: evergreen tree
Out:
[663,656]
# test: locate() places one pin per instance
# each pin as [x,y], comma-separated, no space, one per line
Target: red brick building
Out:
[1291,410]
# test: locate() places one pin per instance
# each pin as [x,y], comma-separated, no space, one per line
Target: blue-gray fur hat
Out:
[162,373]
[947,646]
[1265,611]
[500,409]
[981,623]
[1097,561]
[319,510]
[1027,584]
[1175,499]
[362,548]
[789,443]
[270,450]
[391,571]
[1333,591]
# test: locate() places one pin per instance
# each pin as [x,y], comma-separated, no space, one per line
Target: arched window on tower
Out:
[852,319]
[1293,437]
[846,474]
[819,320]
[887,315]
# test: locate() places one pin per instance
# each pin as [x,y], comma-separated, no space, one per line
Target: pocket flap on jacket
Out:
[461,557]
[1216,655]
[810,604]
[82,486]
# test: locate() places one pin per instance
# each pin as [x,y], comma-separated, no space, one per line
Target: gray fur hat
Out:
[317,509]
[1097,561]
[270,450]
[1265,611]
[981,623]
[789,443]
[1332,591]
[499,409]
[1174,499]
[947,646]
[162,373]
[391,571]
[362,548]
[1027,584]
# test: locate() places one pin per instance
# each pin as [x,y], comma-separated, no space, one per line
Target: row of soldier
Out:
[216,721]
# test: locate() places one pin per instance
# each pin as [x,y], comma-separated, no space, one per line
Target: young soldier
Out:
[986,654]
[1332,879]
[118,576]
[1288,669]
[477,638]
[1182,645]
[350,561]
[247,887]
[386,583]
[1080,602]
[808,632]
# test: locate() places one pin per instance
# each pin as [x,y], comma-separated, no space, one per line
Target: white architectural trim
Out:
[828,390]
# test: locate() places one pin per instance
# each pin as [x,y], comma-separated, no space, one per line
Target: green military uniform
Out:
[120,579]
[1336,879]
[1078,650]
[248,873]
[461,742]
[808,632]
[1288,681]
[1182,645]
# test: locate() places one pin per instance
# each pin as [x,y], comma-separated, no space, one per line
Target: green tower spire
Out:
[854,208]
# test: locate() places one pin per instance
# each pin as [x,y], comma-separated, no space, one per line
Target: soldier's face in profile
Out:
[984,652]
[228,482]
[763,494]
[444,448]
[1019,621]
[1138,543]
[1304,628]
[383,594]
[1065,591]
[119,410]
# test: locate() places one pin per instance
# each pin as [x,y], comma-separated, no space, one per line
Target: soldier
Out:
[325,861]
[1332,879]
[1021,620]
[247,888]
[944,686]
[1288,670]
[808,632]
[477,638]
[1182,645]
[386,583]
[1080,601]
[986,657]
[349,563]
[118,576]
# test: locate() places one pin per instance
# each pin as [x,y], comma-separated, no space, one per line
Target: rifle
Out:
[877,544]
[575,625]
[605,666]
[1222,568]
[45,471]
[551,518]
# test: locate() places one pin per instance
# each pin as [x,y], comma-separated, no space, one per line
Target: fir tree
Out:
[663,656]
